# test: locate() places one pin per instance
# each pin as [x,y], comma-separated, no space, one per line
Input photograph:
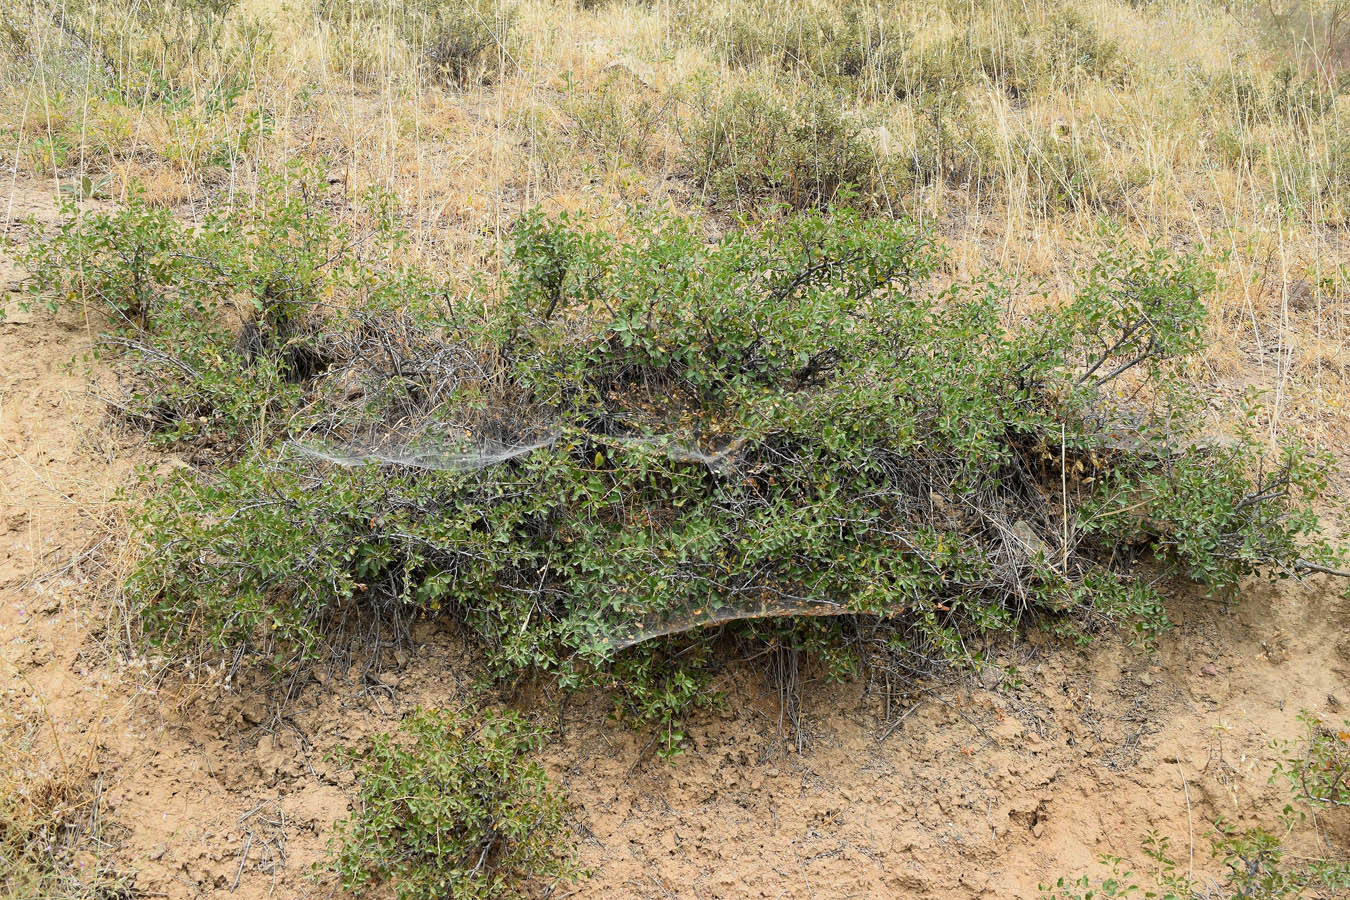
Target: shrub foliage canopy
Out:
[789,428]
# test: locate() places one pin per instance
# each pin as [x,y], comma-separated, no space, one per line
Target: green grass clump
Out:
[449,807]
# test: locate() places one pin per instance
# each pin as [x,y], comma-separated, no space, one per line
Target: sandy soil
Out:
[983,790]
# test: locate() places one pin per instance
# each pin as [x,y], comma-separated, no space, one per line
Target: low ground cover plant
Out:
[452,807]
[628,447]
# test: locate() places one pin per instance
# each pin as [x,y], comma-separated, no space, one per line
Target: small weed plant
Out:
[51,838]
[1318,767]
[450,807]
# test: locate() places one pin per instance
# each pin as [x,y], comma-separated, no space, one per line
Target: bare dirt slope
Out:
[980,791]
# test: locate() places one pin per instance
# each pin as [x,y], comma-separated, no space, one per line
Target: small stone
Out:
[158,852]
[1210,669]
[389,679]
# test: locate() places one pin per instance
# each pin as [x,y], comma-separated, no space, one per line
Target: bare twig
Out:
[1303,565]
[239,873]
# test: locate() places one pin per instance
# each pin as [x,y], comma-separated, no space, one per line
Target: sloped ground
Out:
[978,791]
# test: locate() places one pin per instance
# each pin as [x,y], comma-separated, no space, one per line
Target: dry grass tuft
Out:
[51,833]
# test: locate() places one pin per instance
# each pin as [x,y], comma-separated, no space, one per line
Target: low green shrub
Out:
[449,807]
[169,52]
[1029,52]
[1236,149]
[662,438]
[1317,32]
[659,687]
[1312,179]
[1317,767]
[1064,172]
[863,51]
[457,42]
[226,323]
[740,33]
[460,40]
[953,146]
[624,447]
[1292,131]
[1074,50]
[1286,101]
[1254,861]
[1053,171]
[850,47]
[859,48]
[104,72]
[751,148]
[617,120]
[1300,102]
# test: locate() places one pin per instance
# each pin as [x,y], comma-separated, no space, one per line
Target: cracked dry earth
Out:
[982,790]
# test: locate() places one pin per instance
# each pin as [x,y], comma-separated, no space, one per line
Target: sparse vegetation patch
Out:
[1253,862]
[753,148]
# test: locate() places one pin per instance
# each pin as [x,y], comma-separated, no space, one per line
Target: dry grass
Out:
[1140,113]
[51,834]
